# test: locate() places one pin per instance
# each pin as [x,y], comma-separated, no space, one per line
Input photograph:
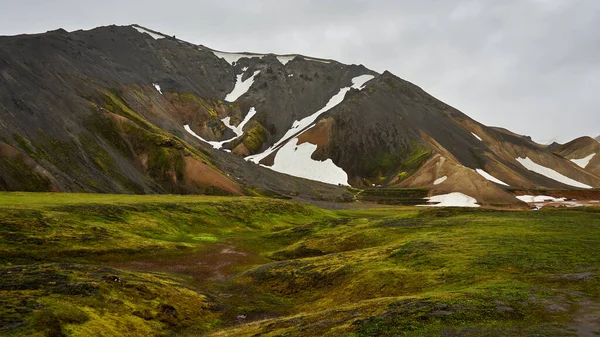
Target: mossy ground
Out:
[82,264]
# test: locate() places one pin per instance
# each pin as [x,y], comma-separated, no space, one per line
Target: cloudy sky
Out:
[532,66]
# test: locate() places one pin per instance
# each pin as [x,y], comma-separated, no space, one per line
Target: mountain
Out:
[124,109]
[584,152]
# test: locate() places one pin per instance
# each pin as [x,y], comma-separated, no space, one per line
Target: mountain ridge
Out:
[131,92]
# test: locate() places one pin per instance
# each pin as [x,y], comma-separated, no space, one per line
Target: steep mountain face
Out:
[129,110]
[81,112]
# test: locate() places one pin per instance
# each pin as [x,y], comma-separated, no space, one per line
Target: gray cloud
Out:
[532,66]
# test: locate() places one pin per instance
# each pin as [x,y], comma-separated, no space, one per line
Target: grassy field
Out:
[108,265]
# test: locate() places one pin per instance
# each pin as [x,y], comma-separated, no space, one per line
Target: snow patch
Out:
[539,201]
[316,60]
[244,69]
[360,81]
[239,130]
[215,145]
[232,58]
[583,162]
[154,35]
[454,199]
[440,180]
[539,198]
[284,59]
[295,160]
[240,87]
[301,125]
[291,75]
[157,87]
[476,136]
[550,173]
[490,177]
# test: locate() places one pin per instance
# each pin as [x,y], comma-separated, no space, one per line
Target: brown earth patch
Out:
[197,173]
[241,150]
[214,263]
[318,135]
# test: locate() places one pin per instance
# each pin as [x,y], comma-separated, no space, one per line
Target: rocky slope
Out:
[129,110]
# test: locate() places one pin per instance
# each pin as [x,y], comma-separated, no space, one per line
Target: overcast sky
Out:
[532,66]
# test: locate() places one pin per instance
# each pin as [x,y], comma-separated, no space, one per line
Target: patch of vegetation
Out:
[21,177]
[255,138]
[407,159]
[394,196]
[82,264]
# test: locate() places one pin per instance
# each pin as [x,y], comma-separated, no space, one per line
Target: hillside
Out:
[123,109]
[89,264]
[584,152]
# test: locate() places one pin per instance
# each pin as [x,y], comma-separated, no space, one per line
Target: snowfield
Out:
[476,136]
[143,31]
[490,177]
[241,87]
[440,180]
[583,162]
[550,173]
[296,160]
[454,199]
[302,125]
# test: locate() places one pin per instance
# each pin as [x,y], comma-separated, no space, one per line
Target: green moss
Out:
[87,264]
[113,102]
[24,145]
[255,138]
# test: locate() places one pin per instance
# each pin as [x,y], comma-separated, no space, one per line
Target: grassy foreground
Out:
[108,265]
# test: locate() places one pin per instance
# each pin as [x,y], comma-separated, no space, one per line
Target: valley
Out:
[92,264]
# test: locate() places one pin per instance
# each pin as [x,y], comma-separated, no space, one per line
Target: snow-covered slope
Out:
[550,173]
[584,162]
[490,177]
[156,36]
[294,159]
[241,86]
[301,125]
